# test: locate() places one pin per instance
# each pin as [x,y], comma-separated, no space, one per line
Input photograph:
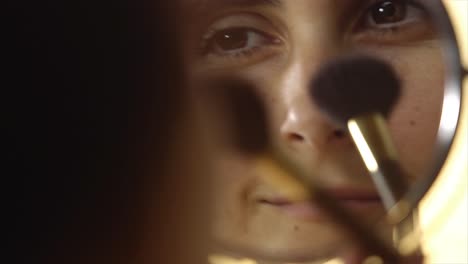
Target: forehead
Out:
[235,2]
[203,4]
[208,5]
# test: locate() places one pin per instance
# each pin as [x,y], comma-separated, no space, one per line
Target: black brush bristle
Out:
[243,114]
[354,85]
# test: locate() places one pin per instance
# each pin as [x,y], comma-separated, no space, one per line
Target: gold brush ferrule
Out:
[371,131]
[373,140]
[277,170]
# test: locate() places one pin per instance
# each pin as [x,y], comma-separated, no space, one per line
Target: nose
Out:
[305,126]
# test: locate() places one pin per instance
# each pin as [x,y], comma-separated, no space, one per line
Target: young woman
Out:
[278,45]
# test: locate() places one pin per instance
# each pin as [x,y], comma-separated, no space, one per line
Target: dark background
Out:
[87,87]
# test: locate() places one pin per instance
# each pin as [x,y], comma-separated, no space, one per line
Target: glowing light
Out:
[335,261]
[444,209]
[364,149]
[450,113]
[219,259]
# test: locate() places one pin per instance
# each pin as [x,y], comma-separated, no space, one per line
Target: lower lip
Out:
[310,211]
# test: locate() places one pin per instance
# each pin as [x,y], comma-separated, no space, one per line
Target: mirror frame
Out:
[452,102]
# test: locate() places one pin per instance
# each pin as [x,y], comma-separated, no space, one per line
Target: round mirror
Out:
[276,48]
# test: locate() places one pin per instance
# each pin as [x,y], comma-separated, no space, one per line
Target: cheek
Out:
[415,120]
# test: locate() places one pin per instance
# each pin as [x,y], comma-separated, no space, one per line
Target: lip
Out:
[354,200]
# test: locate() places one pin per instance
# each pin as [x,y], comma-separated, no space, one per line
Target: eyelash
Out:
[378,32]
[393,29]
[206,43]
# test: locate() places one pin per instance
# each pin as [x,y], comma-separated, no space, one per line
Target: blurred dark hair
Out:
[89,93]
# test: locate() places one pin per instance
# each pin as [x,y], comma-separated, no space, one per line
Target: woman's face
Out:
[278,45]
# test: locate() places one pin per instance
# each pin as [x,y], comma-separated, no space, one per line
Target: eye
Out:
[388,12]
[236,40]
[392,13]
[394,22]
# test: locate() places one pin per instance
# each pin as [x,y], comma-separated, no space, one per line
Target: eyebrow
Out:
[206,5]
[253,2]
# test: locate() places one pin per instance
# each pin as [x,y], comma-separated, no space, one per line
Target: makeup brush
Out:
[246,121]
[358,93]
[240,112]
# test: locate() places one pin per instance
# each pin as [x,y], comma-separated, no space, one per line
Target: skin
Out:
[287,43]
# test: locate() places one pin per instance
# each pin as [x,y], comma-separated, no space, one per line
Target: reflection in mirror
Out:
[278,48]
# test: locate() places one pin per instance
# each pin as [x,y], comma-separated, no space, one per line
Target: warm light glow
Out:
[335,261]
[219,259]
[450,112]
[363,147]
[444,210]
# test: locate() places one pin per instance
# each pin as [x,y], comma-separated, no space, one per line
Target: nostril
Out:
[295,137]
[339,133]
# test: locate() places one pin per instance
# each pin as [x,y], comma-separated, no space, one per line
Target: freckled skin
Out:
[311,32]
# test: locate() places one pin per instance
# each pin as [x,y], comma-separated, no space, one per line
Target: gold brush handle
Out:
[277,171]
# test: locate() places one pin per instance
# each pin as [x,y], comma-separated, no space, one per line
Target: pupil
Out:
[387,9]
[232,39]
[388,12]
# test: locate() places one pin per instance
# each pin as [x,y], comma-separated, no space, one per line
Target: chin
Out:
[288,254]
[285,247]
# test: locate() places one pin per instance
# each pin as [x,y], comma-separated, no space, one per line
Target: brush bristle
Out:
[243,114]
[355,85]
